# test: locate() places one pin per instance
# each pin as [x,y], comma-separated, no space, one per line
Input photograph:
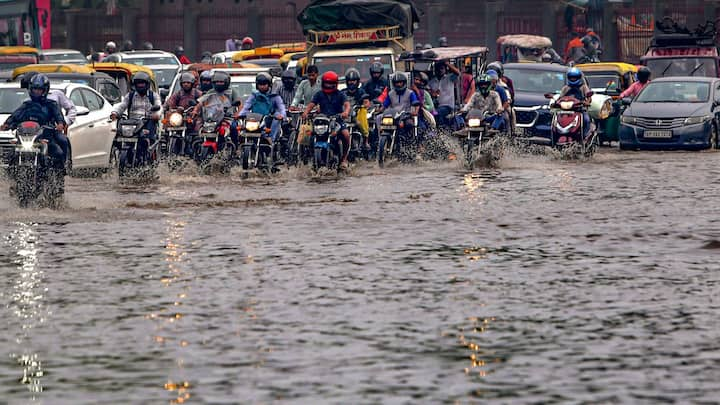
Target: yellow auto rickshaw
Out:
[15,56]
[51,68]
[123,73]
[611,79]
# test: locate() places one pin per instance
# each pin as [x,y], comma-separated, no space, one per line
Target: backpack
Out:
[150,94]
[263,104]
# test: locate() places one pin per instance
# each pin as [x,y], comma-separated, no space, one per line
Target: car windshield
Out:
[68,80]
[340,64]
[674,92]
[605,81]
[10,99]
[164,77]
[665,67]
[536,81]
[241,90]
[151,60]
[65,57]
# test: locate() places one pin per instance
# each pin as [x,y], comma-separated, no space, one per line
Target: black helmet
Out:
[179,50]
[128,45]
[262,78]
[643,74]
[288,77]
[424,79]
[206,80]
[141,77]
[187,77]
[39,81]
[399,81]
[496,66]
[220,81]
[25,79]
[377,67]
[352,75]
[147,45]
[442,41]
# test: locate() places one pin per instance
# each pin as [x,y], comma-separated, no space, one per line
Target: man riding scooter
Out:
[577,88]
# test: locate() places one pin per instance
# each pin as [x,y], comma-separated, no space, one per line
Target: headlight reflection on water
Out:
[27,302]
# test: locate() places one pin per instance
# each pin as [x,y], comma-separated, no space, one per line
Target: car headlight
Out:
[627,119]
[566,105]
[697,120]
[321,129]
[388,121]
[474,122]
[606,110]
[252,126]
[175,120]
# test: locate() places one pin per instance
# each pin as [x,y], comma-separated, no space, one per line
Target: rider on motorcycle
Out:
[487,100]
[286,89]
[332,102]
[45,112]
[377,85]
[577,88]
[180,53]
[508,83]
[266,103]
[643,76]
[400,98]
[220,96]
[307,88]
[206,83]
[138,104]
[357,96]
[185,94]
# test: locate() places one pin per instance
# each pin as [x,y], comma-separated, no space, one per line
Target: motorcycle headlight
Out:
[175,120]
[626,119]
[566,105]
[697,120]
[321,129]
[474,122]
[128,131]
[27,143]
[252,126]
[606,110]
[388,121]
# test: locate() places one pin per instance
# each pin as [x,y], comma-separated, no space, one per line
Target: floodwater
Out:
[540,281]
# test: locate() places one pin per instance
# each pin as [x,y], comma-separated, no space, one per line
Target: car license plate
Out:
[657,134]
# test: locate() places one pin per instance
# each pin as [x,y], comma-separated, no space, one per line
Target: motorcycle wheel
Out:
[26,187]
[319,158]
[382,144]
[246,157]
[124,162]
[206,154]
[469,158]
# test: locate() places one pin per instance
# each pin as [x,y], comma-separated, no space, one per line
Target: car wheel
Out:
[713,139]
[624,146]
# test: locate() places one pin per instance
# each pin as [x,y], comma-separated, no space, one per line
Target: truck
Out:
[677,51]
[341,34]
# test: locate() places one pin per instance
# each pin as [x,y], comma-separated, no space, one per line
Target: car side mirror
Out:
[626,101]
[80,110]
[155,108]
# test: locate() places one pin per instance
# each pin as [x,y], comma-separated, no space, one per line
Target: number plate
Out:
[126,139]
[657,134]
[387,128]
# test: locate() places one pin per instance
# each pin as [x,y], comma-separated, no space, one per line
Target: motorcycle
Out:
[357,141]
[255,152]
[128,135]
[33,171]
[213,140]
[398,137]
[327,149]
[567,127]
[478,138]
[289,147]
[175,134]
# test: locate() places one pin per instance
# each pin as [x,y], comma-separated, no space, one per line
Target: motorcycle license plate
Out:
[657,134]
[126,139]
[387,128]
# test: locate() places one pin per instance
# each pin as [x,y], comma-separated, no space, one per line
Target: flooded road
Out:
[540,281]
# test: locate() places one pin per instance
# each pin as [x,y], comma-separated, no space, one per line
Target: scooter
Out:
[567,127]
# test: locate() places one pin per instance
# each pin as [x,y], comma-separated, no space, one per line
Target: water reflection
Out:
[27,302]
[177,281]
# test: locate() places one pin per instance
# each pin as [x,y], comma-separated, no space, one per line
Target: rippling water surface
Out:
[539,281]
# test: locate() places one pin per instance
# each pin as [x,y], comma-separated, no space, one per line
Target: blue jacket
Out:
[265,104]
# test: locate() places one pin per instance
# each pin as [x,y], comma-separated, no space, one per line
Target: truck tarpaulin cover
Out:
[331,15]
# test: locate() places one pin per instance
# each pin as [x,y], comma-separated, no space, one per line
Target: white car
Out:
[90,136]
[165,65]
[242,80]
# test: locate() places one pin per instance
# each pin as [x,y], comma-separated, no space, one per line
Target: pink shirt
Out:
[634,89]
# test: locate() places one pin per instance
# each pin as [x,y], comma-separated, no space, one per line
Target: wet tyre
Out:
[319,158]
[382,146]
[124,162]
[246,157]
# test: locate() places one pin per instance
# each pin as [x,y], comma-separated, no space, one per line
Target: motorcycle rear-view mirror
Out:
[192,103]
[626,101]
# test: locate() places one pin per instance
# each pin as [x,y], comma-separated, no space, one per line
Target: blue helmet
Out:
[574,77]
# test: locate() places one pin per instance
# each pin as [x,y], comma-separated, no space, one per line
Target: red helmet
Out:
[329,81]
[247,41]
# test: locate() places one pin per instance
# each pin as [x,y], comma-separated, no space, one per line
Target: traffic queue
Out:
[342,96]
